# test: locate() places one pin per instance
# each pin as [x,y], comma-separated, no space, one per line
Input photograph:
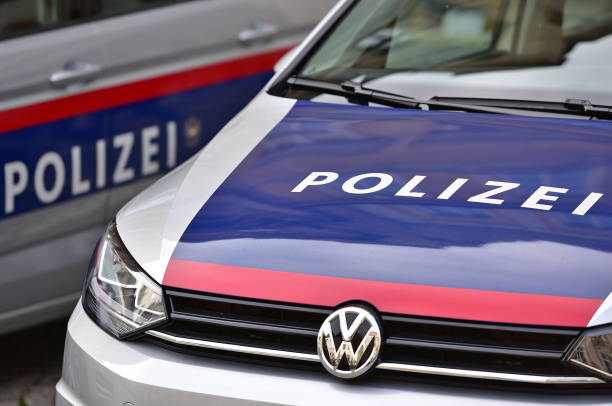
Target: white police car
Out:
[420,200]
[97,99]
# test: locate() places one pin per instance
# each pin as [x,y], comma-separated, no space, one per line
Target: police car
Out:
[97,99]
[418,201]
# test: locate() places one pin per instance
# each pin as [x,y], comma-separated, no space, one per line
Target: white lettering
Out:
[533,201]
[379,181]
[486,196]
[587,203]
[122,173]
[15,182]
[407,189]
[452,188]
[384,180]
[171,144]
[100,164]
[149,149]
[78,184]
[313,180]
[54,160]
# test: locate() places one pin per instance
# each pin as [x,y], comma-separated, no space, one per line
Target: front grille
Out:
[492,347]
[481,346]
[244,322]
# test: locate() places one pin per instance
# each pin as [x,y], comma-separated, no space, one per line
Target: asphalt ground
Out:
[31,364]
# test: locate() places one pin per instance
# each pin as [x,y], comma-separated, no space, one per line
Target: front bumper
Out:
[100,370]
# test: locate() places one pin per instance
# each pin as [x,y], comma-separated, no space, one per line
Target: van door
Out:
[51,209]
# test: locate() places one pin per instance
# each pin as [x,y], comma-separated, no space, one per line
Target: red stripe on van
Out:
[387,297]
[95,100]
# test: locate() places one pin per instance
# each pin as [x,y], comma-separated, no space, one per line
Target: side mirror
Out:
[285,59]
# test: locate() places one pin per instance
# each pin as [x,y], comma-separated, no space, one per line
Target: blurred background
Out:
[98,99]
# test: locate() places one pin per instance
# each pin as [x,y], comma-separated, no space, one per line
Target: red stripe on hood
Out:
[387,297]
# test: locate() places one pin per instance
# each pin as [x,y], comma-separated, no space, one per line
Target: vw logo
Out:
[349,342]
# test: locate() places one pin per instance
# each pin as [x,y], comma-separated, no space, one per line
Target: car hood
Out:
[259,236]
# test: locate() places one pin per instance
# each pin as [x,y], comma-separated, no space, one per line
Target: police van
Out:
[420,201]
[97,99]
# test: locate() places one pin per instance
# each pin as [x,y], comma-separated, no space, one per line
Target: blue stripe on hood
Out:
[253,219]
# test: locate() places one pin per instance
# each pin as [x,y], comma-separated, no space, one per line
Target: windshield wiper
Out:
[575,107]
[355,93]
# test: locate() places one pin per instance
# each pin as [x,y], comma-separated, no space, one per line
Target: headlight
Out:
[118,295]
[592,352]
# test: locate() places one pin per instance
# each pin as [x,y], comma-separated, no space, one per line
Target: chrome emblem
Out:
[349,342]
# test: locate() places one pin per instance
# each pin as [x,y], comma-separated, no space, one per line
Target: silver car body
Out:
[47,108]
[99,370]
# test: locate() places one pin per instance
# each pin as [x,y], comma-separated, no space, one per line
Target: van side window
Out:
[22,17]
[114,7]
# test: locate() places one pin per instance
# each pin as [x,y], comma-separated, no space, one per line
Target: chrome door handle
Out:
[75,71]
[257,32]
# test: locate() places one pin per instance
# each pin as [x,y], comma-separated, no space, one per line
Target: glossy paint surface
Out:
[254,221]
[152,223]
[196,113]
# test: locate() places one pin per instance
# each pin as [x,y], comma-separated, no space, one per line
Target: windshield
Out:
[547,50]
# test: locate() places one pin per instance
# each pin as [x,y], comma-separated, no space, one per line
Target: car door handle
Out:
[73,72]
[259,31]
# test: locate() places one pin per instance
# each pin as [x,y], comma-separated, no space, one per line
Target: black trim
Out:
[250,302]
[569,107]
[382,377]
[416,344]
[496,347]
[518,328]
[274,328]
